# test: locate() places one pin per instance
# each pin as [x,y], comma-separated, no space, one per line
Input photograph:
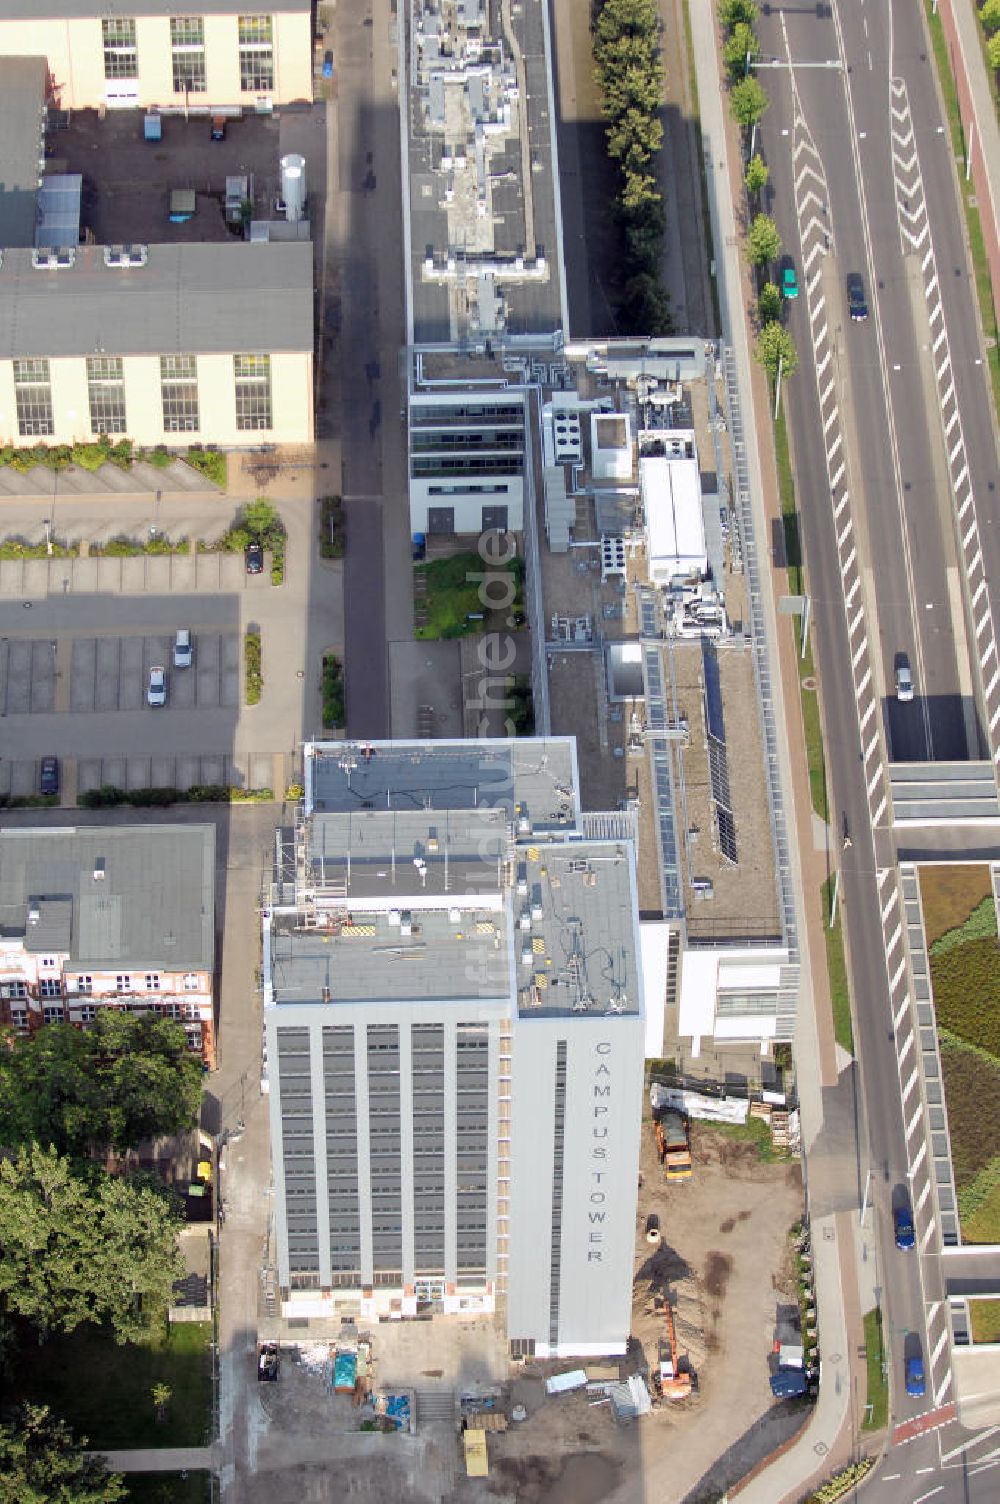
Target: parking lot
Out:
[112,673]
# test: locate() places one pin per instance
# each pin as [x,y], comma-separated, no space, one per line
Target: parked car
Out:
[268,1363]
[789,282]
[904,679]
[328,65]
[915,1383]
[48,775]
[856,303]
[902,1225]
[183,648]
[156,692]
[218,132]
[254,558]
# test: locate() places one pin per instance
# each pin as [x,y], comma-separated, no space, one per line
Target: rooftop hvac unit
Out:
[52,259]
[126,255]
[293,186]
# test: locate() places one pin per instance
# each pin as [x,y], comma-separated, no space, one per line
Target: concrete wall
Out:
[604,1080]
[291,402]
[75,53]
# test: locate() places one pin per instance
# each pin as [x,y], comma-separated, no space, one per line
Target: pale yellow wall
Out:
[76,59]
[291,403]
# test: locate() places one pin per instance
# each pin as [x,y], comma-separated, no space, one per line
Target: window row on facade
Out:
[106,394]
[187,51]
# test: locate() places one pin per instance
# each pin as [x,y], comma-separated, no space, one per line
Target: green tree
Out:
[161,1395]
[643,229]
[747,102]
[989,15]
[769,304]
[763,240]
[645,307]
[260,519]
[993,50]
[741,47]
[635,136]
[733,13]
[40,1463]
[756,174]
[79,1245]
[626,18]
[639,190]
[125,1079]
[775,346]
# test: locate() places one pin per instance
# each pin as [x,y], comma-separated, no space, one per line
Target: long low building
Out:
[219,56]
[211,342]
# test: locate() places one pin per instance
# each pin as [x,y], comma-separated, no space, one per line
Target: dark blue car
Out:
[902,1222]
[915,1385]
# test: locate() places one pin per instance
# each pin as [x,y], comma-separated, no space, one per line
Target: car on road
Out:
[915,1383]
[183,648]
[328,65]
[904,679]
[857,305]
[48,775]
[156,691]
[789,282]
[254,557]
[902,1226]
[218,128]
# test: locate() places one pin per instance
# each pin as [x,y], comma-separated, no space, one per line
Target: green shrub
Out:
[208,793]
[252,667]
[90,456]
[333,693]
[17,548]
[28,801]
[294,791]
[159,458]
[208,462]
[106,797]
[332,528]
[237,795]
[966,983]
[278,559]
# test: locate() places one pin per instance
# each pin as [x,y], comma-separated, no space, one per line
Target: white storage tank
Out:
[293,186]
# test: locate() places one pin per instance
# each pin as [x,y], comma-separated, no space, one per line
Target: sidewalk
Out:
[162,1460]
[828,1435]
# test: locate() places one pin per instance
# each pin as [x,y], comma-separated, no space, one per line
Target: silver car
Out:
[183,648]
[904,679]
[156,692]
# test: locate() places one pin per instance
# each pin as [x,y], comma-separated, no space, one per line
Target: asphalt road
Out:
[883,367]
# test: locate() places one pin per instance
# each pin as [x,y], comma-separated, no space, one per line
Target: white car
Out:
[183,648]
[904,679]
[156,693]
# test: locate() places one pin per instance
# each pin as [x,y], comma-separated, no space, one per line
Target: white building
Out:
[454,1020]
[611,446]
[731,995]
[670,483]
[467,459]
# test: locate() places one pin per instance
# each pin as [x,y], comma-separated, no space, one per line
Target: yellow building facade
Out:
[219,57]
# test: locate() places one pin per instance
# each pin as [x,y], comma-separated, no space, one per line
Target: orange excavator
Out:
[674,1384]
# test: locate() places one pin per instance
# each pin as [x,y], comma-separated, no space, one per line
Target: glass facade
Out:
[33,398]
[179,393]
[187,47]
[121,56]
[256,54]
[253,392]
[106,391]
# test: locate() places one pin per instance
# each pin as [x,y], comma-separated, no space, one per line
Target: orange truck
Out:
[674,1142]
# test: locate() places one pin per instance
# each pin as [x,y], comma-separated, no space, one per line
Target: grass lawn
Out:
[972,1096]
[985,1318]
[949,893]
[465,586]
[754,1131]
[836,965]
[169,1488]
[878,1387]
[103,1390]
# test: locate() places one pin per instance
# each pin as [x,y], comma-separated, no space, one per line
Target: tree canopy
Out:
[775,347]
[733,13]
[747,102]
[40,1463]
[740,50]
[79,1245]
[989,15]
[763,240]
[769,304]
[125,1079]
[757,174]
